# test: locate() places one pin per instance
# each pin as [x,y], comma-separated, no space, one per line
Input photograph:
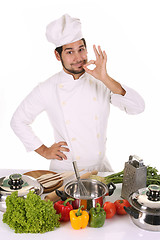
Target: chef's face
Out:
[73,57]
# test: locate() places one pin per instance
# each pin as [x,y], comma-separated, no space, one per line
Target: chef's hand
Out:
[99,71]
[54,152]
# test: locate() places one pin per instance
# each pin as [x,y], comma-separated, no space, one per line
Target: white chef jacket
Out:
[78,111]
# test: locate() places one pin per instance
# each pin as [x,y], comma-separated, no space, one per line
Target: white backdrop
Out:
[129,32]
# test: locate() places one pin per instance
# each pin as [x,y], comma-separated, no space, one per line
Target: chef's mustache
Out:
[80,62]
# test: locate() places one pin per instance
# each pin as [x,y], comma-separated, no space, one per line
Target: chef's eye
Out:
[69,52]
[81,49]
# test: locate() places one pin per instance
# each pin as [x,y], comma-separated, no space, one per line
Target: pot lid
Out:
[21,183]
[147,199]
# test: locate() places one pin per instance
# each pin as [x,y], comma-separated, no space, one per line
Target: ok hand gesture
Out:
[99,71]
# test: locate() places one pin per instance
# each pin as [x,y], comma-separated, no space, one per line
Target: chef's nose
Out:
[77,57]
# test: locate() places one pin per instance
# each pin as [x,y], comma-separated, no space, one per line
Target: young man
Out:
[77,101]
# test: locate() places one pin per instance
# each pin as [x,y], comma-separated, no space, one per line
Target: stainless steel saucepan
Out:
[145,208]
[96,193]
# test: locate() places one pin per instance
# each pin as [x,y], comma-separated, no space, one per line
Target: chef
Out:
[77,101]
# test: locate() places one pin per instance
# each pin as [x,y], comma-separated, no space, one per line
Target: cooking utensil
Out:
[50,183]
[29,183]
[48,180]
[145,208]
[81,190]
[96,193]
[135,176]
[53,196]
[52,176]
[38,173]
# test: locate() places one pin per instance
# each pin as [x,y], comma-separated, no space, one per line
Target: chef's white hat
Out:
[64,30]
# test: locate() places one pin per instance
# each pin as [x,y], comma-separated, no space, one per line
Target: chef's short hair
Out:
[60,49]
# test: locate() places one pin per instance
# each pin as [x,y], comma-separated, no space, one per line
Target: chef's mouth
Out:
[79,64]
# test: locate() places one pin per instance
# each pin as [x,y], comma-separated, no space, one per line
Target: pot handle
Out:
[61,194]
[111,188]
[132,212]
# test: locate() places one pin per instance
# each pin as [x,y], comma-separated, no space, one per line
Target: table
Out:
[119,227]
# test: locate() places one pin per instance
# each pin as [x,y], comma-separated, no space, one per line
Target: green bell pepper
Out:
[97,216]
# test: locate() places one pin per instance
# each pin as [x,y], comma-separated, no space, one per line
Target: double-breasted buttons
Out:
[61,86]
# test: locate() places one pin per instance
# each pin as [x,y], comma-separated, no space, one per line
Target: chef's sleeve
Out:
[131,102]
[25,114]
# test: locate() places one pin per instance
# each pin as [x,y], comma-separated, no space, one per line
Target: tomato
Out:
[119,204]
[110,209]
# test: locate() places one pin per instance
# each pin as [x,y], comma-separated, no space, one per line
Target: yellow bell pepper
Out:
[79,219]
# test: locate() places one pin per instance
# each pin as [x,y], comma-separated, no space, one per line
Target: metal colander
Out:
[135,176]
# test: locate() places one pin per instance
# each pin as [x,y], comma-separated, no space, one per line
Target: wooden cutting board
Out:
[38,173]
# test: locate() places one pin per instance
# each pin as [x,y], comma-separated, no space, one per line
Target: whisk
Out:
[81,190]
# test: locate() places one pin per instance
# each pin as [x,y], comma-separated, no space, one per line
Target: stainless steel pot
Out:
[96,193]
[145,208]
[16,182]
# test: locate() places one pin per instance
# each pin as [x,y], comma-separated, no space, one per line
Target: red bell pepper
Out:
[64,207]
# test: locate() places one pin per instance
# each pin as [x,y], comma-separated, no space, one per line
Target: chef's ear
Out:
[57,55]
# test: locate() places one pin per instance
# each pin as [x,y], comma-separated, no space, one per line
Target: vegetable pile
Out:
[152,177]
[30,214]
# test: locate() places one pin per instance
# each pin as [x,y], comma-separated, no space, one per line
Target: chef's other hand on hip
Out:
[53,152]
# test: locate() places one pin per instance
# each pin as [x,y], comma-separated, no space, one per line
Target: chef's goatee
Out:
[64,30]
